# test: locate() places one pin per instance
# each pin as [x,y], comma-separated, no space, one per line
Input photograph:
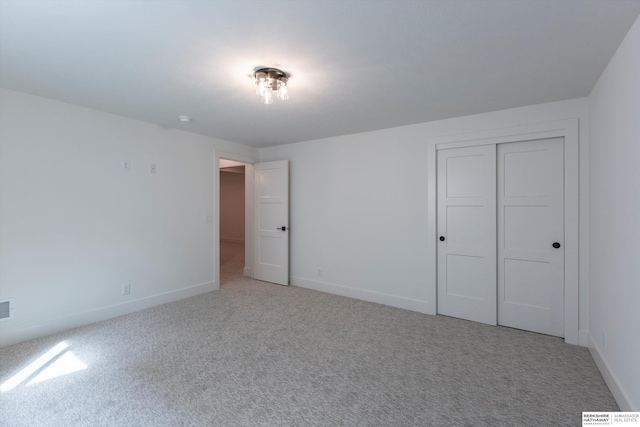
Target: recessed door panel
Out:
[271,184]
[269,215]
[519,221]
[523,172]
[269,253]
[465,226]
[461,281]
[461,172]
[526,284]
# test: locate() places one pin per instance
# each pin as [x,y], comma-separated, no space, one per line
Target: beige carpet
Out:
[256,354]
[231,261]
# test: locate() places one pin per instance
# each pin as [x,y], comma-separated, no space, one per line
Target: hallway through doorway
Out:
[231,261]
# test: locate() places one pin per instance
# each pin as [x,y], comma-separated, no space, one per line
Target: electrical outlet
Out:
[126,165]
[208,219]
[319,272]
[126,289]
[152,168]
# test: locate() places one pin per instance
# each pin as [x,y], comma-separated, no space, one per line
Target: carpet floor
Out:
[257,354]
[231,261]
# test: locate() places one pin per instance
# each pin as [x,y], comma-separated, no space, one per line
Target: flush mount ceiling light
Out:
[271,82]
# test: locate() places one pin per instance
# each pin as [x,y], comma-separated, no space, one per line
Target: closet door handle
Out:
[556,245]
[442,238]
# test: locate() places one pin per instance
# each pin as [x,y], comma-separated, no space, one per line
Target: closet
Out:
[500,231]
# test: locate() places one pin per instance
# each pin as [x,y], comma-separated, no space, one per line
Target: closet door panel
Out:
[530,221]
[466,233]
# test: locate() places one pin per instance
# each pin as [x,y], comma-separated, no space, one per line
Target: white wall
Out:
[615,228]
[359,207]
[74,227]
[232,214]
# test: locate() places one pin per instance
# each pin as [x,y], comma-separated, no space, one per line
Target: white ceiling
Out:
[355,65]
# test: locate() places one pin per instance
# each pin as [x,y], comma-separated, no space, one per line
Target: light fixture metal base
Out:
[272,73]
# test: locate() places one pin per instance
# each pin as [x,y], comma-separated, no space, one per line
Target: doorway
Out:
[232,220]
[266,198]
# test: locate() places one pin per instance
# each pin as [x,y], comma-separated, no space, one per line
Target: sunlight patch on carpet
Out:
[65,364]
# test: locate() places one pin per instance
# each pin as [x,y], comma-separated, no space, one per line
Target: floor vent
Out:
[6,309]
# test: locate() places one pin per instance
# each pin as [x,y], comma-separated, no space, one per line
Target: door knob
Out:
[282,228]
[442,238]
[556,245]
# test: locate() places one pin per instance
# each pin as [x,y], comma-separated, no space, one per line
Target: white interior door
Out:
[271,222]
[530,223]
[467,233]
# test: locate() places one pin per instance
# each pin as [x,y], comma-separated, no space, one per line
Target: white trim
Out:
[248,220]
[361,294]
[235,157]
[216,219]
[80,319]
[621,397]
[569,130]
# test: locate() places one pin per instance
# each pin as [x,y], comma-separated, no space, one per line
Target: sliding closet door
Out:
[467,233]
[530,236]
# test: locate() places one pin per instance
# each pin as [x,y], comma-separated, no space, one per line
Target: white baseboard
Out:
[231,240]
[361,294]
[622,399]
[60,324]
[247,271]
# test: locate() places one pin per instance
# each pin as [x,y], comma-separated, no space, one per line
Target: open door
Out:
[271,222]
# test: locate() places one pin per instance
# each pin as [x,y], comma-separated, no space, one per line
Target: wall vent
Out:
[6,309]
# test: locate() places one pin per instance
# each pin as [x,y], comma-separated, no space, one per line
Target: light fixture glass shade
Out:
[261,83]
[267,98]
[270,83]
[283,92]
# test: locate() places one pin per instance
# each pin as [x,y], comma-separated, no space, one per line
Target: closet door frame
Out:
[567,129]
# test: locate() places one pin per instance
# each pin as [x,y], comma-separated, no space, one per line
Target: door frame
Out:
[567,129]
[248,210]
